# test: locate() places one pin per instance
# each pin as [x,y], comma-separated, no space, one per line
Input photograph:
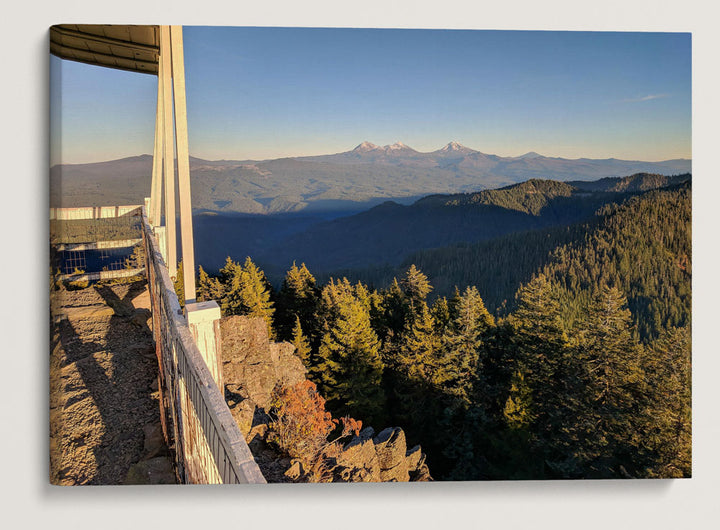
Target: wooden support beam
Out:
[165,75]
[155,213]
[183,162]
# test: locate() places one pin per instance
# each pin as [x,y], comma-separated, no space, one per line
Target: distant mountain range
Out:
[350,181]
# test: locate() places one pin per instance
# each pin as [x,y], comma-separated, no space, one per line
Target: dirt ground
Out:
[104,410]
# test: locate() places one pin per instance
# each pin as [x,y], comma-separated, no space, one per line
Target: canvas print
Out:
[368,255]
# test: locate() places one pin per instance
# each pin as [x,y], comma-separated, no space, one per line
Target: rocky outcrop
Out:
[383,458]
[253,366]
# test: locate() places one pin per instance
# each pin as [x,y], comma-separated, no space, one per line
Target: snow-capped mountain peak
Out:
[454,146]
[366,146]
[396,146]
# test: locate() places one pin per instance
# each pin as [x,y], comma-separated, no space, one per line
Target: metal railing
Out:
[77,232]
[209,447]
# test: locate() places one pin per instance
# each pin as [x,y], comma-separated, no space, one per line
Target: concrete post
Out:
[204,322]
[162,243]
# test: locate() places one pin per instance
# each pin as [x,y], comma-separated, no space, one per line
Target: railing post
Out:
[203,319]
[161,236]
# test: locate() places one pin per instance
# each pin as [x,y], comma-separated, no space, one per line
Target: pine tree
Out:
[208,288]
[420,379]
[420,350]
[415,286]
[247,292]
[541,355]
[666,433]
[298,297]
[518,404]
[230,281]
[302,346]
[394,315]
[440,312]
[463,343]
[228,271]
[610,387]
[350,368]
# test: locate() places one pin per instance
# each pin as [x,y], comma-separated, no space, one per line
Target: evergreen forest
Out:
[560,352]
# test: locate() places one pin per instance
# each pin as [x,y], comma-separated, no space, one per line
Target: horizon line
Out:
[398,143]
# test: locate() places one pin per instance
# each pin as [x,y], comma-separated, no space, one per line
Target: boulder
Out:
[383,458]
[413,457]
[158,470]
[391,447]
[254,363]
[154,443]
[358,461]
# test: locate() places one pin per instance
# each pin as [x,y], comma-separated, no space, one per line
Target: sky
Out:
[260,93]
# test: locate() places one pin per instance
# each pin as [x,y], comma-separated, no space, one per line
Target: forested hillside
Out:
[521,397]
[563,352]
[386,234]
[642,246]
[561,386]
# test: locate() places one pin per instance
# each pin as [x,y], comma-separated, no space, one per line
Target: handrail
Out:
[93,212]
[209,447]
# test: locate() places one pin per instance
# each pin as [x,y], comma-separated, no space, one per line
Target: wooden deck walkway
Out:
[104,411]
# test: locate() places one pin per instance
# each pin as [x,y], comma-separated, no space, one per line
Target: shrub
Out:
[301,427]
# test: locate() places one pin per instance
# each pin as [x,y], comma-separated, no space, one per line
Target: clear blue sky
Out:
[256,93]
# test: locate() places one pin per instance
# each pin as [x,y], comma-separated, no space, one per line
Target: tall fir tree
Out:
[395,313]
[302,346]
[350,367]
[610,390]
[247,292]
[420,377]
[667,432]
[540,352]
[298,297]
[440,312]
[415,286]
[465,340]
[420,353]
[208,288]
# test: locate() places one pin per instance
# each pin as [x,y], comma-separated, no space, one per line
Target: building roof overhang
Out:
[125,47]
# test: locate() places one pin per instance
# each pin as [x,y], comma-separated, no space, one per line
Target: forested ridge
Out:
[587,374]
[642,244]
[389,232]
